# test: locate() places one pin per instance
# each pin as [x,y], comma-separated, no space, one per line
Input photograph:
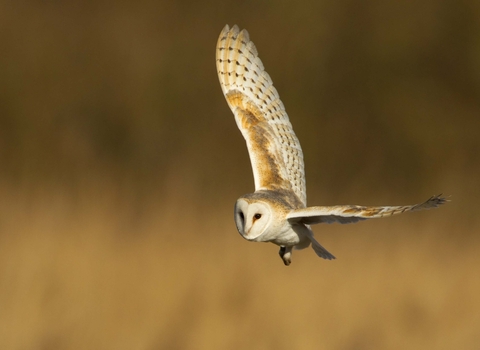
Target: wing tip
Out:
[234,32]
[437,200]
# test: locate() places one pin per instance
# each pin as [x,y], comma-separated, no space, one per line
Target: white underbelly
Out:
[285,238]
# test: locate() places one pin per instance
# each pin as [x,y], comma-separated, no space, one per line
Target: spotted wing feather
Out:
[275,152]
[346,214]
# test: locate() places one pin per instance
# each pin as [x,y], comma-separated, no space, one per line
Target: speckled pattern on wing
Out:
[275,152]
[346,214]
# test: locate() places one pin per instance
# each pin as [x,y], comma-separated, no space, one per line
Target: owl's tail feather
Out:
[320,251]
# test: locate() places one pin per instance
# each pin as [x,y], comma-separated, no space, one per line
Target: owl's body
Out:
[277,211]
[273,225]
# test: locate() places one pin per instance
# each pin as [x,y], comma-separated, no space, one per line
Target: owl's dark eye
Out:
[241,215]
[257,216]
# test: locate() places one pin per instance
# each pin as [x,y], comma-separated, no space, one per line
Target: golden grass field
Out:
[94,274]
[120,163]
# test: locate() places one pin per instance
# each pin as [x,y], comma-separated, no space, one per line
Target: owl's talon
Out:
[286,254]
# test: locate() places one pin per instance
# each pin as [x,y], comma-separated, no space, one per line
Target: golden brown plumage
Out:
[275,152]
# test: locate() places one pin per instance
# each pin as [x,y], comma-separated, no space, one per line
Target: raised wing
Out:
[275,152]
[346,214]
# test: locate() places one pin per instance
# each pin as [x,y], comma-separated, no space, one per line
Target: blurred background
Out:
[120,163]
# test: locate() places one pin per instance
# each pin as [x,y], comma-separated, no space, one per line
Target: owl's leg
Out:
[286,254]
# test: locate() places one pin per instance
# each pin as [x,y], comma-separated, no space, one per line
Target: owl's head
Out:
[252,218]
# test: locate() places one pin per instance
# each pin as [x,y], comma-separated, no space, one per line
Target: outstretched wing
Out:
[346,214]
[275,152]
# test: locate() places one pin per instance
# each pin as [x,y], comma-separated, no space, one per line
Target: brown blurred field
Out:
[120,163]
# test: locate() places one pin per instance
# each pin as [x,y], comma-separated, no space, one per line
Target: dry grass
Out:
[92,273]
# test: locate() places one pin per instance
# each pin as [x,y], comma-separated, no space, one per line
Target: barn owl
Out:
[277,211]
